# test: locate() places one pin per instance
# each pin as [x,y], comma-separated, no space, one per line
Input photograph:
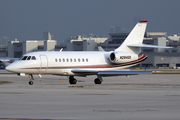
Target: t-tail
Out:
[130,50]
[135,37]
[134,40]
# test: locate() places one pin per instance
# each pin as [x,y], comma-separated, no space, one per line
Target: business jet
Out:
[84,63]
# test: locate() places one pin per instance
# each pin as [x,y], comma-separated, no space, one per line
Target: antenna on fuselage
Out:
[61,49]
[100,48]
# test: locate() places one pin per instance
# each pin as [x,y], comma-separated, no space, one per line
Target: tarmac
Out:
[137,97]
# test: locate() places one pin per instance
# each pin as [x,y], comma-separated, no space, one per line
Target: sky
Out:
[28,19]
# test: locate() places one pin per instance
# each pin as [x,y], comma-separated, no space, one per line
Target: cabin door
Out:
[44,63]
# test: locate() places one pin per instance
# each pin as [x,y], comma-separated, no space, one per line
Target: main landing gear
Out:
[30,76]
[98,80]
[72,80]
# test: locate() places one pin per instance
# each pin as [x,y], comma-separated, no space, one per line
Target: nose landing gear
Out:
[30,82]
[30,76]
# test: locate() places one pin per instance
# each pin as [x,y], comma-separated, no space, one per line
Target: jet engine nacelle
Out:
[122,57]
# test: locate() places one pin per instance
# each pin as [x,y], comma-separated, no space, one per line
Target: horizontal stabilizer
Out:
[145,45]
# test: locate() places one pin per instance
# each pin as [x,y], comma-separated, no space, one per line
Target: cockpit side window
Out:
[24,58]
[33,58]
[21,57]
[29,57]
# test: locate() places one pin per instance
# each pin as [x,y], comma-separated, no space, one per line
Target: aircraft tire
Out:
[30,82]
[97,81]
[72,81]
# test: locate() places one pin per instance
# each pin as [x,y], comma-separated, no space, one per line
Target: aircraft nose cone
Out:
[9,68]
[12,68]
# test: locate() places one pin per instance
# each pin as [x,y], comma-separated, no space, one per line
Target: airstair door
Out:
[44,63]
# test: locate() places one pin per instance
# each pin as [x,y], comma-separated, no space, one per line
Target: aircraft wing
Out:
[90,72]
[111,72]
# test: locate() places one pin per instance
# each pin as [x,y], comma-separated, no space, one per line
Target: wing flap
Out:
[84,71]
[111,72]
[123,72]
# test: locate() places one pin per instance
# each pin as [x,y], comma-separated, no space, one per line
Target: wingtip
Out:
[142,21]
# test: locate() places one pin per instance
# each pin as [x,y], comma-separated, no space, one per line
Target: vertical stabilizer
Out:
[135,37]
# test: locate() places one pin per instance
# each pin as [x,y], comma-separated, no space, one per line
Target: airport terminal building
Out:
[156,57]
[17,48]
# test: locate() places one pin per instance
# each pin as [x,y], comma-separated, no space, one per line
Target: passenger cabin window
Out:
[62,60]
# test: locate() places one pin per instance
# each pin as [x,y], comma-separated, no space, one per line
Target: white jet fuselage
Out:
[62,63]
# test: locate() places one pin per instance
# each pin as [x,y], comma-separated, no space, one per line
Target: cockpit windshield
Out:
[28,58]
[24,58]
[21,57]
[33,58]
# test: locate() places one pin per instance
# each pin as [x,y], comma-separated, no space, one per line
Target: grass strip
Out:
[3,82]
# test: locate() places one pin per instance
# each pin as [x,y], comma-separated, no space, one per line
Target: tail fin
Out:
[135,37]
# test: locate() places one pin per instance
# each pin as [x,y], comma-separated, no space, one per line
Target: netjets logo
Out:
[125,57]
